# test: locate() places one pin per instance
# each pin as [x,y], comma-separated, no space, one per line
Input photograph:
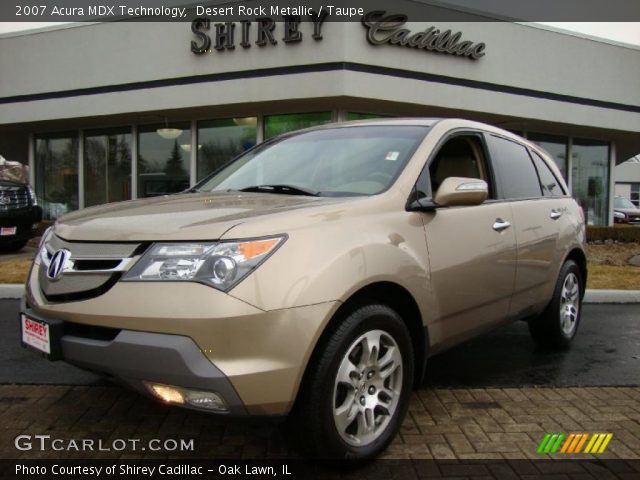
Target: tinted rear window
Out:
[516,173]
[548,181]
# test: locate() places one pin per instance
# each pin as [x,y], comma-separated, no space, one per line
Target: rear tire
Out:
[558,324]
[358,387]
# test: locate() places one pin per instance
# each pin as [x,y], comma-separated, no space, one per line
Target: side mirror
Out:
[458,191]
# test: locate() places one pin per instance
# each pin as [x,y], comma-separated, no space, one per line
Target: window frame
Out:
[542,158]
[500,173]
[425,175]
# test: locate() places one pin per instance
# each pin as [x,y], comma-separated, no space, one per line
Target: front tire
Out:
[358,388]
[558,324]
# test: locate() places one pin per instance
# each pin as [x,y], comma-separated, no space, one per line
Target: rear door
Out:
[536,219]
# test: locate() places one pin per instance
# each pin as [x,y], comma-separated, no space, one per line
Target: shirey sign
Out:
[382,28]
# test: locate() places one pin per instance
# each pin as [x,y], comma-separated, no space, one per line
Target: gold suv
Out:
[315,274]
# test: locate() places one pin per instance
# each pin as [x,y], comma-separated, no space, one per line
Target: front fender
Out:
[331,261]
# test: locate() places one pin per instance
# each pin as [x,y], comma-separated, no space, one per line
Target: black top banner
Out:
[335,10]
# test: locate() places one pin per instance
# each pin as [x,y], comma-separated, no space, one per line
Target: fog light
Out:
[208,400]
[185,396]
[167,393]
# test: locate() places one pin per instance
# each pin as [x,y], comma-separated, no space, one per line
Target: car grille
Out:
[13,198]
[91,269]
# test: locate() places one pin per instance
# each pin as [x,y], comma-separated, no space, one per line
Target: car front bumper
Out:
[192,336]
[25,220]
[135,358]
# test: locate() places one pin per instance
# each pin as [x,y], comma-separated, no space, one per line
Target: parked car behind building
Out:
[19,210]
[624,211]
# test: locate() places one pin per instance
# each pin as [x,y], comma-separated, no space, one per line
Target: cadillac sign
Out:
[382,28]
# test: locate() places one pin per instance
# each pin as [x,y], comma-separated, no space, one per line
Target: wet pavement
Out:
[489,401]
[606,352]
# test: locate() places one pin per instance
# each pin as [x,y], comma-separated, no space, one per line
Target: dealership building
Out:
[104,112]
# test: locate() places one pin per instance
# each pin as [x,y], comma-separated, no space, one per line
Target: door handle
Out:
[555,214]
[500,225]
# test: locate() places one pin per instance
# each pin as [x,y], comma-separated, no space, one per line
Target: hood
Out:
[193,216]
[10,183]
[628,211]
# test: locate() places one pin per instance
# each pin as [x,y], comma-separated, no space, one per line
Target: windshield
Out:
[621,202]
[362,160]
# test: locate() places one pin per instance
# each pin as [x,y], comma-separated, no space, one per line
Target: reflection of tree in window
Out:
[107,167]
[220,140]
[590,174]
[174,167]
[57,174]
[216,153]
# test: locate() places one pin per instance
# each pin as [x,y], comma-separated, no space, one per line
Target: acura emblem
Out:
[58,262]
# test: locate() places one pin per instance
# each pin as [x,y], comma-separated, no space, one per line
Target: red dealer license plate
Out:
[43,336]
[36,334]
[8,231]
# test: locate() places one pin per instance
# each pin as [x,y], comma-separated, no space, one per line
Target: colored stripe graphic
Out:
[550,443]
[605,443]
[543,443]
[556,445]
[574,442]
[568,442]
[582,442]
[598,443]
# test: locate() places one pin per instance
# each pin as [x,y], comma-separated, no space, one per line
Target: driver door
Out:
[472,249]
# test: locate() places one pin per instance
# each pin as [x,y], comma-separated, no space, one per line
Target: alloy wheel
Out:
[367,387]
[569,304]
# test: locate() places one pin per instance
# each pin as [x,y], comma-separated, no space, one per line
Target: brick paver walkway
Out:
[442,424]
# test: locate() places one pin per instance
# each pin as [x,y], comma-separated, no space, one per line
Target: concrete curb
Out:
[12,291]
[612,296]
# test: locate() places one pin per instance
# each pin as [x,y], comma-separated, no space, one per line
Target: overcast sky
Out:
[626,32]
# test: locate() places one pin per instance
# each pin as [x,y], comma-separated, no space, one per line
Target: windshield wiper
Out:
[282,189]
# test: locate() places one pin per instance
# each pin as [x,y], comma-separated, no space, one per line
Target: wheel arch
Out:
[396,297]
[578,256]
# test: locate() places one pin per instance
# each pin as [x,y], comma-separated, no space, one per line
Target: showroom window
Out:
[364,116]
[635,194]
[590,179]
[56,173]
[279,124]
[107,166]
[221,140]
[163,159]
[556,146]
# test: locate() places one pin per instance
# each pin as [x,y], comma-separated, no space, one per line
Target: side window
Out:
[548,182]
[460,156]
[516,172]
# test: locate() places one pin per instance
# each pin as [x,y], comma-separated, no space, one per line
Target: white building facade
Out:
[113,111]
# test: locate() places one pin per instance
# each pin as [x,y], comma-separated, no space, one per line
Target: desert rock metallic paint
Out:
[261,334]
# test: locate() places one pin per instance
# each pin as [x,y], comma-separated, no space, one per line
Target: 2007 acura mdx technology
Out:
[314,274]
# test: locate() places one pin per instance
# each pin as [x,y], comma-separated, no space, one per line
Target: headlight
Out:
[221,265]
[619,215]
